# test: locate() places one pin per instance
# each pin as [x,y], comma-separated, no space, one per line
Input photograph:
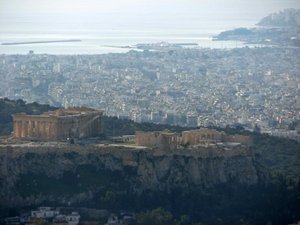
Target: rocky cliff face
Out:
[33,175]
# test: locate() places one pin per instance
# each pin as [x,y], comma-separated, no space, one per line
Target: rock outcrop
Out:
[35,174]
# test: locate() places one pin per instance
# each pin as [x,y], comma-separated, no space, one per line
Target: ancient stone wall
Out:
[201,136]
[148,139]
[86,125]
[168,141]
[206,136]
[243,139]
[34,126]
[163,140]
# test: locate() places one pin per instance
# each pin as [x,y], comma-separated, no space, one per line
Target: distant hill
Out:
[277,29]
[285,18]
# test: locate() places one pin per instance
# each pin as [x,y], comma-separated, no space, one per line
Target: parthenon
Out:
[60,124]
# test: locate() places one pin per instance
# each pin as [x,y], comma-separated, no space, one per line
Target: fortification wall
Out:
[243,139]
[148,139]
[163,140]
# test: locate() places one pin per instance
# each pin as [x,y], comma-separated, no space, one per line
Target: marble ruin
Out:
[59,125]
[202,136]
[167,140]
[164,140]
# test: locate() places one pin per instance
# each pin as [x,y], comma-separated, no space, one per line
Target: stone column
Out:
[50,131]
[55,130]
[44,133]
[24,128]
[33,123]
[20,128]
[31,128]
[28,128]
[38,130]
[46,125]
[40,126]
[17,129]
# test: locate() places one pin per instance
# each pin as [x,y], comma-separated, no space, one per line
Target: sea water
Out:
[98,40]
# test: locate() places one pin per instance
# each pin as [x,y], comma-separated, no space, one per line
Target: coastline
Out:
[40,42]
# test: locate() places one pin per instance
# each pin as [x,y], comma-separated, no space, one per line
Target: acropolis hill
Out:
[43,167]
[57,173]
[34,171]
[38,156]
[83,123]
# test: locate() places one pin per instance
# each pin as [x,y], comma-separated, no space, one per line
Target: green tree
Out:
[158,216]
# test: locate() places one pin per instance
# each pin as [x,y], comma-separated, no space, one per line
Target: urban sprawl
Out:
[249,87]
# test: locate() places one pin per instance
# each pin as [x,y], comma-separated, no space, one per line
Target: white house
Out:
[44,212]
[73,218]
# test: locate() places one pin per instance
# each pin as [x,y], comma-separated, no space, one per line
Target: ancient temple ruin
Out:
[59,125]
[202,136]
[166,140]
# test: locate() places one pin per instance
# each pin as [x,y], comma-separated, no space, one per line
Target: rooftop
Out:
[76,111]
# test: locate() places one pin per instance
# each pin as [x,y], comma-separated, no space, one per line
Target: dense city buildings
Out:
[249,87]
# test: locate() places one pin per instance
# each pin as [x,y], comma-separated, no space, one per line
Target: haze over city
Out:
[134,14]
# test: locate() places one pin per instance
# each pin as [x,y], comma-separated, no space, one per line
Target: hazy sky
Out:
[133,12]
